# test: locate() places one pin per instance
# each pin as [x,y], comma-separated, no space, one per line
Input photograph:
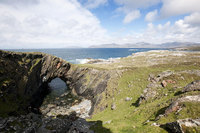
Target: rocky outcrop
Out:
[162,80]
[148,93]
[176,105]
[24,79]
[183,126]
[194,86]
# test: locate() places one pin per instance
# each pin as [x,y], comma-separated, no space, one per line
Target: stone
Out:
[113,106]
[107,122]
[164,83]
[155,124]
[128,98]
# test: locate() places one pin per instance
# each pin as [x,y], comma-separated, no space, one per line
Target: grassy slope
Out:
[129,118]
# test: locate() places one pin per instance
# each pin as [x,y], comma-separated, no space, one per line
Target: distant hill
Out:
[178,44]
[128,45]
[147,45]
[113,45]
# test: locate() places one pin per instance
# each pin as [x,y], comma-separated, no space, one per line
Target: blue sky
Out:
[113,20]
[64,23]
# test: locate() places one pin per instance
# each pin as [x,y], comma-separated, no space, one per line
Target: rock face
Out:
[24,79]
[88,83]
[183,126]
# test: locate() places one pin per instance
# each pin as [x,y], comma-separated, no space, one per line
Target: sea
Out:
[81,55]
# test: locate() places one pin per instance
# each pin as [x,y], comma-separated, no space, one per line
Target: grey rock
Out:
[194,86]
[113,106]
[152,78]
[163,75]
[154,85]
[148,93]
[175,105]
[128,98]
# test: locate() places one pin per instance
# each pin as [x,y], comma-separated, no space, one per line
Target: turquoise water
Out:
[79,55]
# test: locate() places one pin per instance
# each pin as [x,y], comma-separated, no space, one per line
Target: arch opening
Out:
[57,91]
[57,87]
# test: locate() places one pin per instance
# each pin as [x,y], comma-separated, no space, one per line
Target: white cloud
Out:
[183,30]
[95,3]
[48,23]
[193,19]
[131,16]
[131,8]
[178,7]
[151,16]
[169,7]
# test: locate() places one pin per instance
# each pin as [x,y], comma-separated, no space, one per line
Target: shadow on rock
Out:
[98,127]
[160,113]
[136,103]
[178,93]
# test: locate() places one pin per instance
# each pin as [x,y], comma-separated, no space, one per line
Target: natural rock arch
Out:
[26,77]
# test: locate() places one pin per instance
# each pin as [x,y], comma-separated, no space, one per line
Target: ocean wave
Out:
[85,61]
[133,50]
[79,61]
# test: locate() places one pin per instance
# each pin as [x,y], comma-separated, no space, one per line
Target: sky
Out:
[81,23]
